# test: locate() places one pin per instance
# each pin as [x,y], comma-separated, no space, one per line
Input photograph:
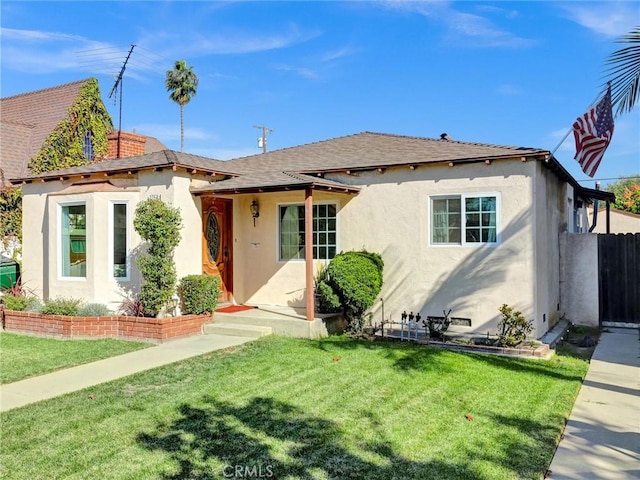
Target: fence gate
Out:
[619,278]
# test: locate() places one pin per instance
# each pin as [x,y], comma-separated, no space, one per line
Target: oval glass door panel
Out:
[213,237]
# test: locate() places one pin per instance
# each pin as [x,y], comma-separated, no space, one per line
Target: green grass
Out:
[25,356]
[300,409]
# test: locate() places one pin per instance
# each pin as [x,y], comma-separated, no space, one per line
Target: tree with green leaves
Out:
[159,224]
[624,72]
[181,82]
[627,192]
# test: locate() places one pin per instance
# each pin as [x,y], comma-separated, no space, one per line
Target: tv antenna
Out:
[115,88]
[262,140]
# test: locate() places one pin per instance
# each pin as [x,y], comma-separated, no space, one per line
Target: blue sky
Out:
[509,73]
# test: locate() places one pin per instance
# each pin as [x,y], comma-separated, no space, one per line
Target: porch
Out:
[278,320]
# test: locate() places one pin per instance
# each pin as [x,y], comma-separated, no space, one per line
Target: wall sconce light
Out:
[255,211]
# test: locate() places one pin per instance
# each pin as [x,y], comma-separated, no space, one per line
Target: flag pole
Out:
[571,129]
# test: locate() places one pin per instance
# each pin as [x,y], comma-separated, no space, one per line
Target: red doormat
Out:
[234,308]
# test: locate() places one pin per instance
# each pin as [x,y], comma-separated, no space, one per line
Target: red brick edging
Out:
[120,326]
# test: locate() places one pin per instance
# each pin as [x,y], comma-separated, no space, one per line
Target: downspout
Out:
[595,210]
[308,252]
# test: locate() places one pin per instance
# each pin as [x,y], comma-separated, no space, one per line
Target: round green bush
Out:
[328,301]
[356,278]
[199,293]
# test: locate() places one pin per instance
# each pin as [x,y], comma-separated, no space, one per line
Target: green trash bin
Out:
[9,272]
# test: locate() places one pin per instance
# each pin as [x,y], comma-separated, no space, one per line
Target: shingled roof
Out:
[149,161]
[368,150]
[27,120]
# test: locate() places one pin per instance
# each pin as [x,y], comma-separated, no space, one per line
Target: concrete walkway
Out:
[602,438]
[24,392]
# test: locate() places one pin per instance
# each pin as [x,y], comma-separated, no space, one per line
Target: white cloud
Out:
[196,44]
[171,133]
[611,19]
[302,71]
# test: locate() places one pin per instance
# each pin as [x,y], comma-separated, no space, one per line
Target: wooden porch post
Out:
[308,251]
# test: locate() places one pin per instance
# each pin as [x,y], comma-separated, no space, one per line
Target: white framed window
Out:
[119,268]
[291,239]
[466,219]
[73,240]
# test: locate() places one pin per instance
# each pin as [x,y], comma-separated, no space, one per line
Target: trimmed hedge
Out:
[199,293]
[356,279]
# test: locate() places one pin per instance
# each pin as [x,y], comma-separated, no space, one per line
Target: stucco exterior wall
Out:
[41,233]
[619,221]
[390,216]
[579,280]
[551,207]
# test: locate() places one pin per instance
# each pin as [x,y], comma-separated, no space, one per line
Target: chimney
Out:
[131,145]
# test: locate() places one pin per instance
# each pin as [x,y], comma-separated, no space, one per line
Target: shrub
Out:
[328,301]
[61,306]
[132,306]
[513,328]
[199,293]
[17,302]
[93,310]
[356,278]
[159,224]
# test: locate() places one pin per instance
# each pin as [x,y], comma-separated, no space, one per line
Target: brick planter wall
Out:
[139,328]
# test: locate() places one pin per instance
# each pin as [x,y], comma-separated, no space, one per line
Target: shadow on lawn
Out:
[411,356]
[278,440]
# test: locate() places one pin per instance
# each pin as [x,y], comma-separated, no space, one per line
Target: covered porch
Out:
[249,250]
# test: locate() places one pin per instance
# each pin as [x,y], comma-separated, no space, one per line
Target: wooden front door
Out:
[217,243]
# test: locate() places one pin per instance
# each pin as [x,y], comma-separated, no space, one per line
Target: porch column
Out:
[308,251]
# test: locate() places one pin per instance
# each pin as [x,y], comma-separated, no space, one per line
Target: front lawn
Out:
[289,409]
[25,356]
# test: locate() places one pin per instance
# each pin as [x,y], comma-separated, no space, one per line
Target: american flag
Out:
[593,132]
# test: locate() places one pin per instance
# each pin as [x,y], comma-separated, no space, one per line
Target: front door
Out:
[217,246]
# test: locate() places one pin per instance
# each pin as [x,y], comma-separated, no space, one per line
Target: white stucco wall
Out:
[390,216]
[619,221]
[579,280]
[41,234]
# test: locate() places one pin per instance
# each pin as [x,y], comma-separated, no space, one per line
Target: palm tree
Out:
[182,83]
[624,72]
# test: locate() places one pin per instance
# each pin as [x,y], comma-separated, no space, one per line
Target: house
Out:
[28,120]
[461,226]
[621,221]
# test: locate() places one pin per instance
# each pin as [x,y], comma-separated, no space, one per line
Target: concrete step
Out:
[237,330]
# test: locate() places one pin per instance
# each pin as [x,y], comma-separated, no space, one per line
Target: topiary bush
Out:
[356,279]
[94,310]
[159,224]
[199,293]
[513,328]
[328,301]
[61,306]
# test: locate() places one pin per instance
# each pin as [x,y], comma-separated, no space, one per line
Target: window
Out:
[464,219]
[119,240]
[74,241]
[291,232]
[87,146]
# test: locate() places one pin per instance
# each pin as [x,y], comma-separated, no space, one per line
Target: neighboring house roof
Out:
[150,161]
[154,145]
[27,120]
